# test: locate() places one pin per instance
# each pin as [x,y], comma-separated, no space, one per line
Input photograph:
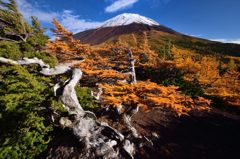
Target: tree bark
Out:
[132,67]
[100,140]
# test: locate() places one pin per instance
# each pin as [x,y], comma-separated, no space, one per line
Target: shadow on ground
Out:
[203,135]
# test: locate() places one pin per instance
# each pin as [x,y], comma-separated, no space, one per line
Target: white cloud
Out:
[195,35]
[119,5]
[72,22]
[28,10]
[75,24]
[235,41]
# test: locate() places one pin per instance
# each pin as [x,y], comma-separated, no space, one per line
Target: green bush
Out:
[38,41]
[26,47]
[24,122]
[85,98]
[10,50]
[191,88]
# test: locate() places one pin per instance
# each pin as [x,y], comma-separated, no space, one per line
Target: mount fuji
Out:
[125,23]
[130,27]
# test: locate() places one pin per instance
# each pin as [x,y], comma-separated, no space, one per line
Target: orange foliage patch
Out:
[149,95]
[206,69]
[110,61]
[64,46]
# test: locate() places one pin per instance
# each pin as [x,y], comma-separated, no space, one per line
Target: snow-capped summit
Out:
[128,18]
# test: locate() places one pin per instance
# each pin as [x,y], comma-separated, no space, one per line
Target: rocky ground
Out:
[202,135]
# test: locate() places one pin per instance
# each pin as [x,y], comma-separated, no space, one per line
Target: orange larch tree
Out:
[112,69]
[65,46]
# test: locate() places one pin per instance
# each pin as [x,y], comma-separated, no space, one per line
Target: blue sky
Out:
[211,19]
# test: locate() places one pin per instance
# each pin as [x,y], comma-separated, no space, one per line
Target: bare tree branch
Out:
[7,39]
[4,21]
[99,93]
[98,138]
[132,67]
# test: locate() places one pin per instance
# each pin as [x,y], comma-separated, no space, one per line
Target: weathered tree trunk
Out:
[127,117]
[99,139]
[132,67]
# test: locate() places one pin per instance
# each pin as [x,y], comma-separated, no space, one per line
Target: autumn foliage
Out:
[219,75]
[150,95]
[107,67]
[64,46]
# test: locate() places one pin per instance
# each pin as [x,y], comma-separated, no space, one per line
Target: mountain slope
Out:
[126,25]
[100,35]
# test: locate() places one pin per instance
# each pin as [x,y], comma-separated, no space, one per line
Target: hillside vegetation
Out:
[115,79]
[198,67]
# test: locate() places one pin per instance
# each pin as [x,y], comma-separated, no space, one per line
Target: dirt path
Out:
[207,135]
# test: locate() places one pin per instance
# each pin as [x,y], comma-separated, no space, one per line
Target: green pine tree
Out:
[24,123]
[38,40]
[13,26]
